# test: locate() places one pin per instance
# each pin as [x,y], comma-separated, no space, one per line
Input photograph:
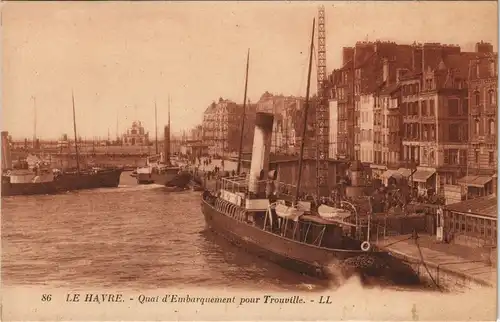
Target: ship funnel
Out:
[6,156]
[260,152]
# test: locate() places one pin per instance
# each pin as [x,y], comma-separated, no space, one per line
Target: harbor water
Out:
[141,236]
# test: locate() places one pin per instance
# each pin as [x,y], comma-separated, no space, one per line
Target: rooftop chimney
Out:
[484,47]
[386,71]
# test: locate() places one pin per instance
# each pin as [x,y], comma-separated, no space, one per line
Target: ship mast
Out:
[156,129]
[238,169]
[167,157]
[74,130]
[34,121]
[306,110]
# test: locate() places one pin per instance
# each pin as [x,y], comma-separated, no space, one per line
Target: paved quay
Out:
[447,263]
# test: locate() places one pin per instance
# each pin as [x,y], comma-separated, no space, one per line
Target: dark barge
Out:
[61,182]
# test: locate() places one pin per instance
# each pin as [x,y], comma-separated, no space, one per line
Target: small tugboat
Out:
[322,241]
[159,168]
[156,171]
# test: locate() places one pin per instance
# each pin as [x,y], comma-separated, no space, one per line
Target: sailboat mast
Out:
[238,169]
[167,156]
[117,135]
[76,139]
[34,121]
[156,129]
[306,110]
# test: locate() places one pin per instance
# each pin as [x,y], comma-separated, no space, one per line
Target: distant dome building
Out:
[136,135]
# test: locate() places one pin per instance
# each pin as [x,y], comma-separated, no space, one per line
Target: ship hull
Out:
[18,189]
[65,182]
[157,178]
[299,257]
[303,258]
[102,179]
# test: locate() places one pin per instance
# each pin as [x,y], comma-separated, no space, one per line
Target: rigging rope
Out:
[425,265]
[304,75]
[398,241]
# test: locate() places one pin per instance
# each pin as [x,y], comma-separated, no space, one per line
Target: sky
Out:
[119,58]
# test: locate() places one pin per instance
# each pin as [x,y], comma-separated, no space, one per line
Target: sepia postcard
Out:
[249,161]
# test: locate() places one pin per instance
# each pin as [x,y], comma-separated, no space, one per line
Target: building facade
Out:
[136,135]
[221,127]
[333,128]
[341,92]
[366,123]
[435,107]
[288,116]
[482,152]
[196,134]
[433,114]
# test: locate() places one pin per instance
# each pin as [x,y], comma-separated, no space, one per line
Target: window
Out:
[476,156]
[463,157]
[431,157]
[493,69]
[431,107]
[491,158]
[465,106]
[491,97]
[491,126]
[423,108]
[477,98]
[424,132]
[453,107]
[428,84]
[476,127]
[454,133]
[451,156]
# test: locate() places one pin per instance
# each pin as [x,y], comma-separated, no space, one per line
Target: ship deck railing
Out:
[240,184]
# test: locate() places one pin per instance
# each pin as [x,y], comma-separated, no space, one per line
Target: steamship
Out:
[39,178]
[324,242]
[159,168]
[157,171]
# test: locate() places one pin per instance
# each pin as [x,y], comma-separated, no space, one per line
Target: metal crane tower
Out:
[322,112]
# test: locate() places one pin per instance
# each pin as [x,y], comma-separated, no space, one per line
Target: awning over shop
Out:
[389,173]
[378,166]
[475,181]
[467,179]
[405,172]
[423,175]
